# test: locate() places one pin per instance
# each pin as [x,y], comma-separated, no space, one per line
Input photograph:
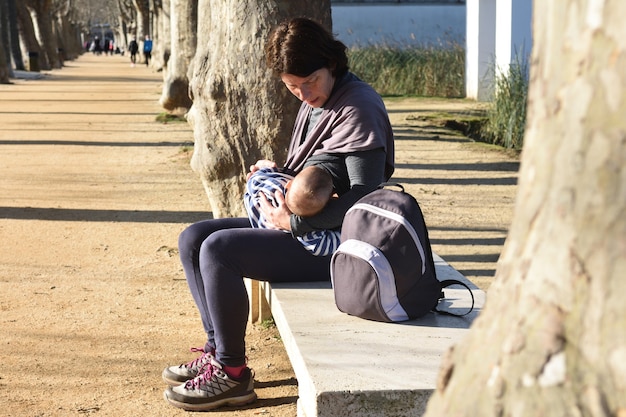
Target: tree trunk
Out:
[164,44]
[5,40]
[551,340]
[43,17]
[142,7]
[15,37]
[4,65]
[160,28]
[69,43]
[184,22]
[29,37]
[240,112]
[127,19]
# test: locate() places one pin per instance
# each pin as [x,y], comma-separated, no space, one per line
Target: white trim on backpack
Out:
[381,266]
[398,218]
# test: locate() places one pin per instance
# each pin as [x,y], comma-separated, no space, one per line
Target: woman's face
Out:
[314,89]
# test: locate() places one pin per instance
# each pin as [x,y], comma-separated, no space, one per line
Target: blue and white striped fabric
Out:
[268,181]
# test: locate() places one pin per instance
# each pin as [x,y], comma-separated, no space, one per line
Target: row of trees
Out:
[49,32]
[42,28]
[54,31]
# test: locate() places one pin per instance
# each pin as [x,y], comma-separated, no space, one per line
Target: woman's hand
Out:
[261,163]
[279,217]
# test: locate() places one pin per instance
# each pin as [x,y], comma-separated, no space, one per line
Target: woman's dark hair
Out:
[301,46]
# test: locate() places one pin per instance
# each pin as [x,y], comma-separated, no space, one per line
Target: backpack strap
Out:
[447,283]
[390,184]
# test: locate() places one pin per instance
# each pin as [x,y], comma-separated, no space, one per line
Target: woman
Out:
[342,125]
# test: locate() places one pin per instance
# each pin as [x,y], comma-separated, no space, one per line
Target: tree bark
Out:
[43,20]
[184,26]
[240,112]
[160,28]
[5,40]
[29,36]
[142,8]
[15,37]
[551,340]
[68,38]
[4,66]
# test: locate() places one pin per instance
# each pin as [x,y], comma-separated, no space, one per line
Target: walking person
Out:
[133,48]
[147,50]
[342,126]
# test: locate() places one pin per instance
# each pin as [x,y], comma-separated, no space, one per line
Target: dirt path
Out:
[93,303]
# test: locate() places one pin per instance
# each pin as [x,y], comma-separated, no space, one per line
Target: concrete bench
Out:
[353,367]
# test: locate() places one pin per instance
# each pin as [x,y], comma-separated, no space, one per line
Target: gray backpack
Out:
[383,269]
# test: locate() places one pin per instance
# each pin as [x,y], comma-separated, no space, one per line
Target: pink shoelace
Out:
[204,375]
[197,363]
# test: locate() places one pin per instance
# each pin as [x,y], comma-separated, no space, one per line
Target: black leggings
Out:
[217,254]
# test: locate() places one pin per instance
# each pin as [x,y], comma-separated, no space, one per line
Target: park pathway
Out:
[94,193]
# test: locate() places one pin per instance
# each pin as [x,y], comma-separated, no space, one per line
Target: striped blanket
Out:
[268,181]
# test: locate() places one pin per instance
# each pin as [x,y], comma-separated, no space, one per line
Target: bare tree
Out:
[183,18]
[29,37]
[160,10]
[127,18]
[142,13]
[240,113]
[184,22]
[5,40]
[551,340]
[16,52]
[42,12]
[5,68]
[68,38]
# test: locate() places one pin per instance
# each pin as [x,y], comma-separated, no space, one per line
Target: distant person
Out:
[306,195]
[96,46]
[147,50]
[133,48]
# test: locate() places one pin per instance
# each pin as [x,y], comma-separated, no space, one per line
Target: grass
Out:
[411,70]
[268,323]
[440,72]
[506,116]
[166,117]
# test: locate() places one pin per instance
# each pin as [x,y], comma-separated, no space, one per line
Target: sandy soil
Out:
[93,303]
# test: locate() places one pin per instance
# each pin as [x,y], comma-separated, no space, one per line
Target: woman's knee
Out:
[217,243]
[187,238]
[190,239]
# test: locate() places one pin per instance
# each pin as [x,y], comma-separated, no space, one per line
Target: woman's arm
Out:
[365,171]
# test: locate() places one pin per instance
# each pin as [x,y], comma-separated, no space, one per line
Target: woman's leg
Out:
[227,256]
[189,243]
[227,252]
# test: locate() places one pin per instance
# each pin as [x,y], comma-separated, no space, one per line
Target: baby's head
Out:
[309,191]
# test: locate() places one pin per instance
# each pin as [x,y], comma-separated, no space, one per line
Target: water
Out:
[399,24]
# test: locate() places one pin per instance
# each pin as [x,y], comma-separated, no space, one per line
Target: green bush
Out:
[506,115]
[411,70]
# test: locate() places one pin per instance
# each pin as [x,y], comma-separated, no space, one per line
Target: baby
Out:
[306,194]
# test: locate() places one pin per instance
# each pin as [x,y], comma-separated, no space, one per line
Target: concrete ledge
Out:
[353,367]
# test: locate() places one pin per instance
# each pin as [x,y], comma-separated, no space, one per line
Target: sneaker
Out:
[213,389]
[176,375]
